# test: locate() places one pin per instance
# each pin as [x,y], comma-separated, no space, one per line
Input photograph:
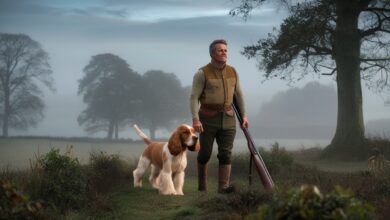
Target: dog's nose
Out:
[195,138]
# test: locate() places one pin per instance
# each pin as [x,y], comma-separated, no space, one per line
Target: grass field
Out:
[126,202]
[17,153]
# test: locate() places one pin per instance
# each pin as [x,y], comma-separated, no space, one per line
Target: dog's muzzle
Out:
[193,146]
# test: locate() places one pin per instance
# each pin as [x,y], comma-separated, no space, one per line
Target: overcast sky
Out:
[168,35]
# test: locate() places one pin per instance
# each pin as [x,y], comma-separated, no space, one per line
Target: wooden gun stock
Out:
[255,155]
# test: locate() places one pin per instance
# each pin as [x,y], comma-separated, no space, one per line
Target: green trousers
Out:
[221,128]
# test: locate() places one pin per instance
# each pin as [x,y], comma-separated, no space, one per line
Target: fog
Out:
[172,36]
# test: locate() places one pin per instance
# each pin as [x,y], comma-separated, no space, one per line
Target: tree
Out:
[165,101]
[110,90]
[23,67]
[346,39]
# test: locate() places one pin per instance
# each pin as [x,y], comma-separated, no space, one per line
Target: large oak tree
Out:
[24,67]
[346,39]
[111,91]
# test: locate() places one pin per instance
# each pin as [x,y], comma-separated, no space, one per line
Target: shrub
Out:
[276,158]
[105,171]
[63,182]
[16,205]
[309,203]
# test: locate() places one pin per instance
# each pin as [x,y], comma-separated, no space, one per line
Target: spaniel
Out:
[167,159]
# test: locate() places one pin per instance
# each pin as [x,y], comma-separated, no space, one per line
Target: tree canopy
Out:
[116,97]
[110,90]
[345,39]
[165,101]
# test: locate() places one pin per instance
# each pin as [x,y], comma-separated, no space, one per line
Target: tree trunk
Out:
[348,141]
[6,112]
[110,130]
[152,131]
[116,131]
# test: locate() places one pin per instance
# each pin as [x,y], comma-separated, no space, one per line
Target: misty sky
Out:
[168,35]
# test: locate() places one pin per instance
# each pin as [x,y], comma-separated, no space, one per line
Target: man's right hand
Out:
[197,125]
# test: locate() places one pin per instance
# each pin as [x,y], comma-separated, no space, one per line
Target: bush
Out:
[105,171]
[16,205]
[63,181]
[276,158]
[309,203]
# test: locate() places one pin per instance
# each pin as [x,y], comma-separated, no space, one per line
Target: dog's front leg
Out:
[165,178]
[178,181]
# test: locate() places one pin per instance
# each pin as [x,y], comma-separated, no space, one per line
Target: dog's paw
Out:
[137,185]
[170,192]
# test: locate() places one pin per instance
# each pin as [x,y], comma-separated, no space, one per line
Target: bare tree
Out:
[345,39]
[23,67]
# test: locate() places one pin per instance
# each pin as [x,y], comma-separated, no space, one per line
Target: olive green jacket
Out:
[215,87]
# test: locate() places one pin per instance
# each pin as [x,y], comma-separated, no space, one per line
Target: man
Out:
[212,93]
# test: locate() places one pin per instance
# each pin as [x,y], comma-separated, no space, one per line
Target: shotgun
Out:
[255,155]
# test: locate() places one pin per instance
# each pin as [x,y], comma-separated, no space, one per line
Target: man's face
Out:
[220,53]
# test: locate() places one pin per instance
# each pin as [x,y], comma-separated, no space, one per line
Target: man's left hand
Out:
[245,123]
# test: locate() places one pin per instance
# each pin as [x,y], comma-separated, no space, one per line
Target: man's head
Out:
[218,50]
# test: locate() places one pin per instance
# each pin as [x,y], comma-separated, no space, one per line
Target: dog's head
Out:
[184,137]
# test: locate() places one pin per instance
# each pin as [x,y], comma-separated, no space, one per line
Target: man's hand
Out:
[197,125]
[245,123]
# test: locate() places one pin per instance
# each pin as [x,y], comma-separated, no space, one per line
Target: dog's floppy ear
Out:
[174,144]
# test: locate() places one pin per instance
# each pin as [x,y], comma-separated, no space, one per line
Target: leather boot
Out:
[224,179]
[202,177]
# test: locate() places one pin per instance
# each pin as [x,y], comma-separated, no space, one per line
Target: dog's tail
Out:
[142,135]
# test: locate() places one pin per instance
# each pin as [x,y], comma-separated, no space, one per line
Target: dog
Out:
[167,159]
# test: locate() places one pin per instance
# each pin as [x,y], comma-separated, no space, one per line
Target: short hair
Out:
[212,45]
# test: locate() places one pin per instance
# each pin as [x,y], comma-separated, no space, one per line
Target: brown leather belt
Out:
[210,110]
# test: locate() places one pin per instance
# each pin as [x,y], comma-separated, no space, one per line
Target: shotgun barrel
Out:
[259,163]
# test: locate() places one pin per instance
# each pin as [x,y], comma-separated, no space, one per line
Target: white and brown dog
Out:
[167,159]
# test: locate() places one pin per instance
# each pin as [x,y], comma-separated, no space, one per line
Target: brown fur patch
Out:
[154,152]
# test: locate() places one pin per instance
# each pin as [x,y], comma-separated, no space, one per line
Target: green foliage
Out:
[277,158]
[309,203]
[16,205]
[63,181]
[105,171]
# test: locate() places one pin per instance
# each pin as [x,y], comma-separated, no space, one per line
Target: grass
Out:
[123,201]
[146,203]
[337,166]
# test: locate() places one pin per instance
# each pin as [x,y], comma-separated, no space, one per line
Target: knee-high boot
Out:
[202,177]
[224,179]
